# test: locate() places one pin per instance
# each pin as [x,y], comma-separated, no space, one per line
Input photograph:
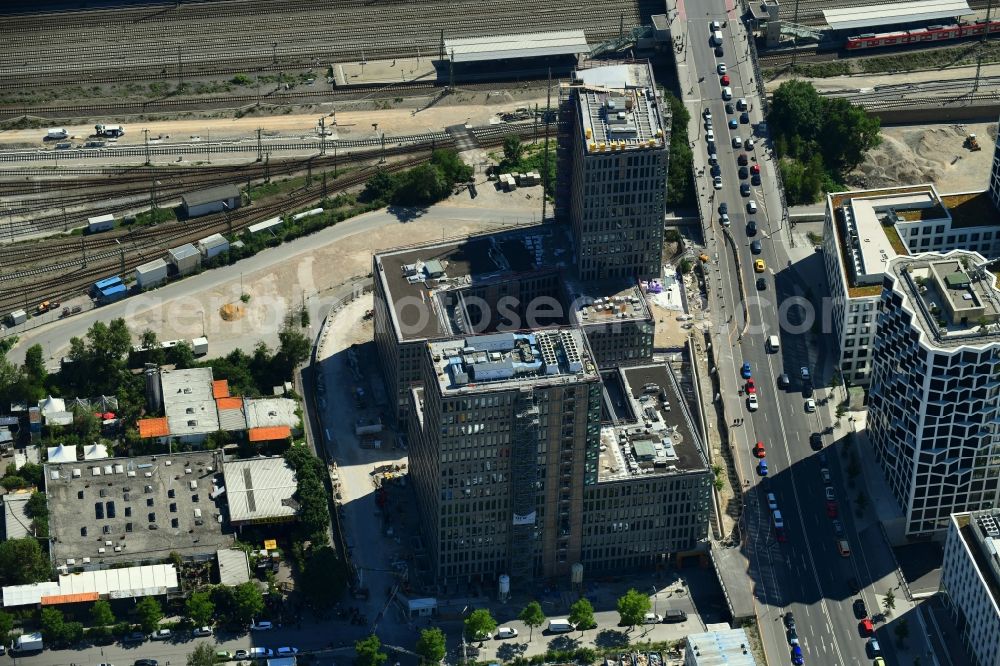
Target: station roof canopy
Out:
[875,16]
[528,45]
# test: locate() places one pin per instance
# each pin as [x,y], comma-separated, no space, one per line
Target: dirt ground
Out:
[929,154]
[351,120]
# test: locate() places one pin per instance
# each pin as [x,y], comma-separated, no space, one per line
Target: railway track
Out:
[196,40]
[773,60]
[21,288]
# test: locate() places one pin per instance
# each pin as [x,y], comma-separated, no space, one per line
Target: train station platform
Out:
[384,72]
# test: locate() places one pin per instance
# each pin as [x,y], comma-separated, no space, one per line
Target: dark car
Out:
[755,247]
[716,170]
[145,662]
[733,124]
[789,620]
[752,228]
[742,159]
[730,109]
[755,179]
[852,583]
[672,616]
[783,381]
[745,118]
[859,609]
[816,441]
[761,284]
[134,637]
[744,173]
[744,189]
[723,208]
[719,52]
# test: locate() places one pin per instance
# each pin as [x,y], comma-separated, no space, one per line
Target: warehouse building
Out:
[500,56]
[970,580]
[189,404]
[213,245]
[211,200]
[185,259]
[131,510]
[87,584]
[260,490]
[151,274]
[100,223]
[932,402]
[719,647]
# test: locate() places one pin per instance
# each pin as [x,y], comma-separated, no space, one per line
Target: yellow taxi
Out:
[759,266]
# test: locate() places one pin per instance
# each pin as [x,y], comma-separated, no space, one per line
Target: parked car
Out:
[652,618]
[772,502]
[745,371]
[783,381]
[717,182]
[134,637]
[756,247]
[202,631]
[816,441]
[721,68]
[287,651]
[674,615]
[860,611]
[263,625]
[145,662]
[160,635]
[506,632]
[866,627]
[762,468]
[752,403]
[751,227]
[838,528]
[241,654]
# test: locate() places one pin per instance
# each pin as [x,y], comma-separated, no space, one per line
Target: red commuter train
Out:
[932,33]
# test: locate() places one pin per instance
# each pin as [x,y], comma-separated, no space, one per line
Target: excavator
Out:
[972,143]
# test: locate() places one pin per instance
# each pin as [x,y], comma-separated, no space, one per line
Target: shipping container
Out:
[186,258]
[112,294]
[151,274]
[213,245]
[200,346]
[100,223]
[17,317]
[106,283]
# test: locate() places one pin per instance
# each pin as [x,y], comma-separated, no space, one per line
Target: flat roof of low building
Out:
[416,279]
[214,240]
[131,509]
[188,401]
[661,440]
[270,412]
[606,301]
[211,195]
[729,647]
[876,16]
[151,266]
[619,108]
[119,583]
[17,522]
[260,490]
[183,252]
[234,567]
[525,45]
[502,361]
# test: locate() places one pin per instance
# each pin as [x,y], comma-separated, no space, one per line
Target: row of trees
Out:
[817,138]
[421,185]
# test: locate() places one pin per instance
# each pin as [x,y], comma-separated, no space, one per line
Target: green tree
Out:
[248,602]
[686,266]
[480,625]
[889,601]
[72,633]
[22,562]
[422,185]
[200,608]
[451,165]
[581,613]
[431,646]
[848,132]
[34,365]
[327,576]
[369,651]
[53,625]
[203,655]
[512,149]
[101,614]
[380,187]
[37,509]
[294,348]
[532,616]
[149,613]
[632,607]
[182,356]
[149,341]
[902,631]
[680,186]
[6,625]
[796,113]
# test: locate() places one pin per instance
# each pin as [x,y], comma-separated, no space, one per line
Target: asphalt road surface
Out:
[806,574]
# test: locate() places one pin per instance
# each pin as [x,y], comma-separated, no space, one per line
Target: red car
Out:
[751,387]
[866,627]
[831,509]
[755,169]
[758,450]
[724,80]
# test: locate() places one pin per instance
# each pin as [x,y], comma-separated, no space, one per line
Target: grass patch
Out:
[155,216]
[972,210]
[894,240]
[817,70]
[815,238]
[286,185]
[533,159]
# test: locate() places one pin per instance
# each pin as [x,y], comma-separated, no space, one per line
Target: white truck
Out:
[28,643]
[56,134]
[773,344]
[560,626]
[109,131]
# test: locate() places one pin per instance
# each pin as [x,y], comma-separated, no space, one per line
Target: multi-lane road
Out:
[806,574]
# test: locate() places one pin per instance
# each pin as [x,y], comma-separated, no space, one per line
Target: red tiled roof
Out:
[153,427]
[229,403]
[220,388]
[269,433]
[53,599]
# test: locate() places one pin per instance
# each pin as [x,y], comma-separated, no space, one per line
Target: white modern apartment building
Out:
[970,578]
[934,402]
[863,232]
[619,170]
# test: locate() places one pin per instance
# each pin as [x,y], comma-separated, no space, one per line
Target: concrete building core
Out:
[618,170]
[934,388]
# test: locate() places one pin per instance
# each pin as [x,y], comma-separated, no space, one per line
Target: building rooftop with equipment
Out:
[618,108]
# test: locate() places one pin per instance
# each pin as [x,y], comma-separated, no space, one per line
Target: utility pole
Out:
[324,184]
[121,249]
[441,47]
[545,156]
[534,134]
[267,167]
[180,68]
[621,25]
[208,146]
[65,220]
[83,250]
[145,133]
[229,219]
[334,159]
[795,35]
[322,135]
[382,159]
[260,154]
[451,72]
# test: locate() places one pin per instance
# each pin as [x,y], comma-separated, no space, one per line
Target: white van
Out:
[779,522]
[561,626]
[773,344]
[717,38]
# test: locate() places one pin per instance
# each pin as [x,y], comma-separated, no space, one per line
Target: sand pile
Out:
[232,311]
